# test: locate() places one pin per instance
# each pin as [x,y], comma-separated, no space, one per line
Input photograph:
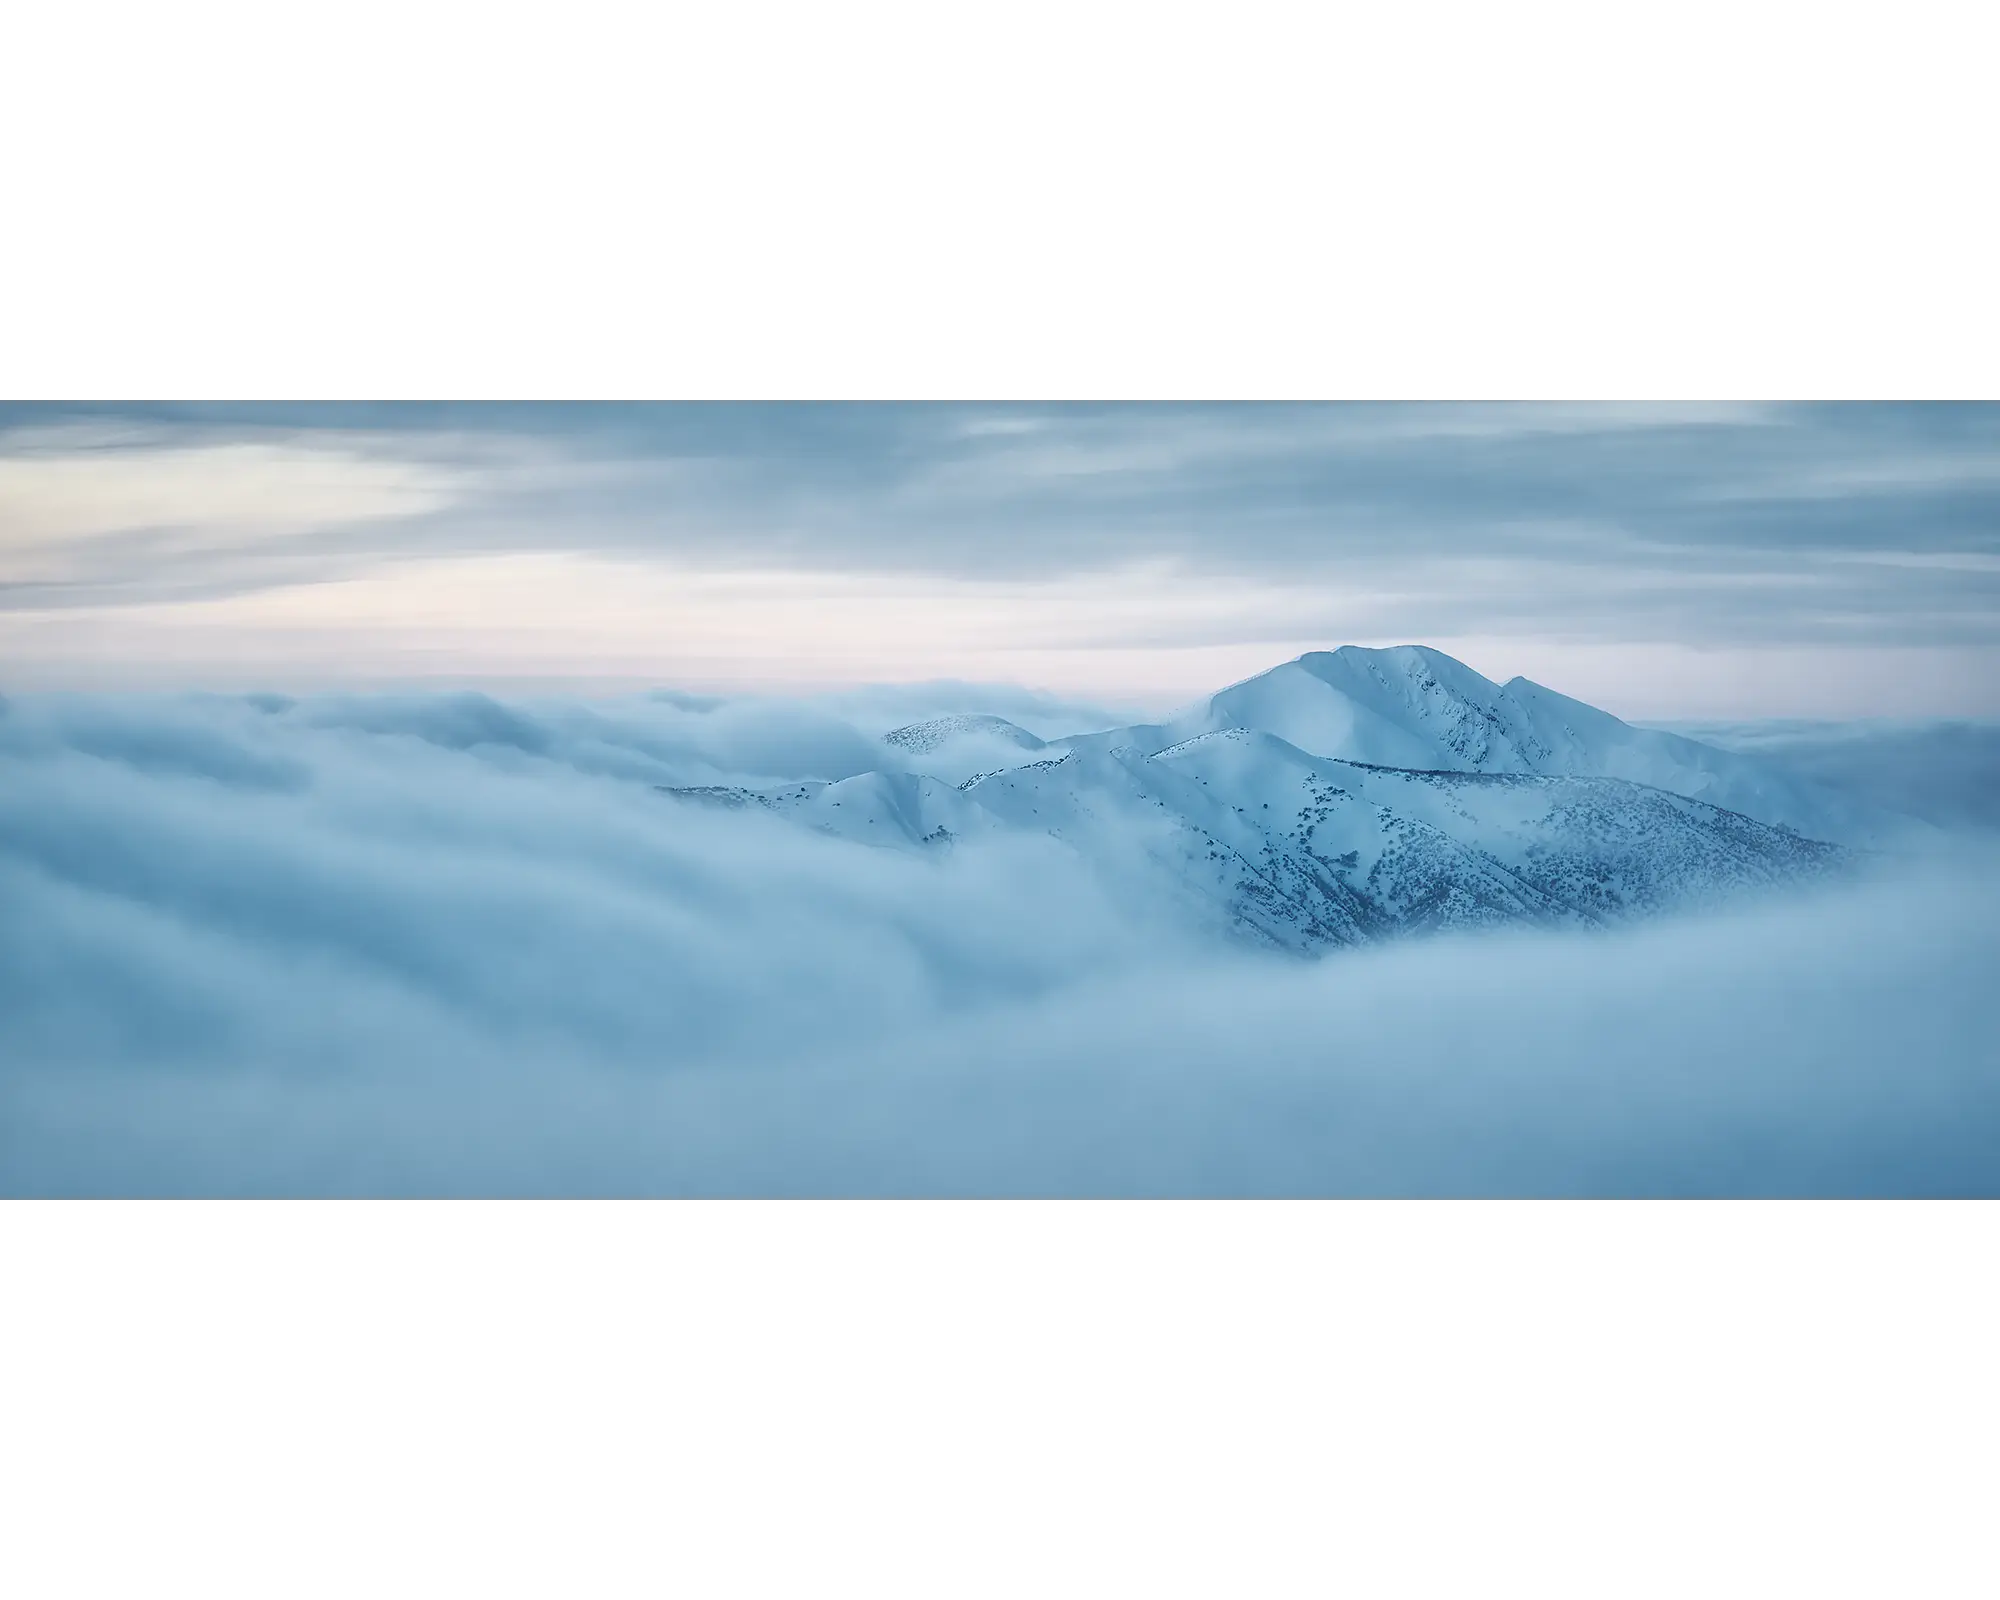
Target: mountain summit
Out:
[1413,707]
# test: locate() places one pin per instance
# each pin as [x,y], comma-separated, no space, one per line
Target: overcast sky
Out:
[1658,560]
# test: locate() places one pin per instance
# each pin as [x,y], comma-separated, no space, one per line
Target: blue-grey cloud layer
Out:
[1829,524]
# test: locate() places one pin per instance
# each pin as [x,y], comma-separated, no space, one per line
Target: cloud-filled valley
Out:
[460,943]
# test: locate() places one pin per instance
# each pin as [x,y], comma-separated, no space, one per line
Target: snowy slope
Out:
[1303,851]
[1431,849]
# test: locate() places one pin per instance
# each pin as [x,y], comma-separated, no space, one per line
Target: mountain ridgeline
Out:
[1353,795]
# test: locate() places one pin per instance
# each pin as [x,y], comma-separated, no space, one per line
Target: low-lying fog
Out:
[438,944]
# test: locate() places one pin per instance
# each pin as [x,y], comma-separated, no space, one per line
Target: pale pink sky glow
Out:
[1661,562]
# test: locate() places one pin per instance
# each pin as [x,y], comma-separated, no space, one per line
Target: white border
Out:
[1549,199]
[922,1400]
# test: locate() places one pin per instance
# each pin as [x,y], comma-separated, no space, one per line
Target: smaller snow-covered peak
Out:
[921,738]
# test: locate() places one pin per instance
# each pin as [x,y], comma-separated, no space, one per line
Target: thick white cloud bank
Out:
[423,945]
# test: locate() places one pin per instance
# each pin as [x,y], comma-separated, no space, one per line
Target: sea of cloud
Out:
[1943,771]
[441,943]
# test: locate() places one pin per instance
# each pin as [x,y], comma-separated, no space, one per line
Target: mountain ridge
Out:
[1508,804]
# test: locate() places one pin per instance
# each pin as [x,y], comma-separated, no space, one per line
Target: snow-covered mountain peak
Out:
[1351,794]
[1415,707]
